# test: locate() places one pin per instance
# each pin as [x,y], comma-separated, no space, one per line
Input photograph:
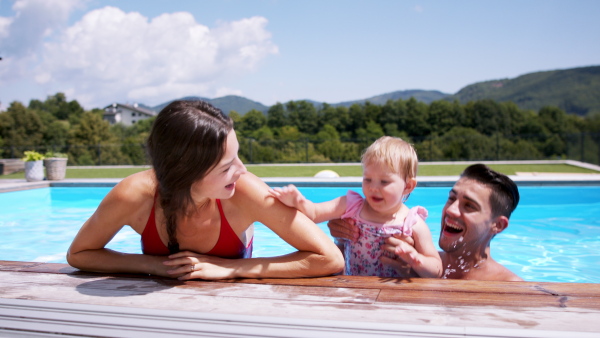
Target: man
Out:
[478,208]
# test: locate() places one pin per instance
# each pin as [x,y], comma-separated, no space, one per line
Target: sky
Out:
[152,51]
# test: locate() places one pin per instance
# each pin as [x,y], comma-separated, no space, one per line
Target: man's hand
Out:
[344,229]
[403,247]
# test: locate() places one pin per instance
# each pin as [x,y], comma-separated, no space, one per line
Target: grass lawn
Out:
[424,170]
[343,170]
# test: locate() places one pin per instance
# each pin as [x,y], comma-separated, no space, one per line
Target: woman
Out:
[198,204]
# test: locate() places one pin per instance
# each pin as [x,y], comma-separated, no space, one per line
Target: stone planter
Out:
[34,171]
[56,168]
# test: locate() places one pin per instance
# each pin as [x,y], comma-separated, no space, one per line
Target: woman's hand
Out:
[343,228]
[187,265]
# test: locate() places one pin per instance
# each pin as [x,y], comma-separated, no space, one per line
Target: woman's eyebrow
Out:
[226,164]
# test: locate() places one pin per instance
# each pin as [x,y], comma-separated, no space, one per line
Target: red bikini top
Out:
[228,245]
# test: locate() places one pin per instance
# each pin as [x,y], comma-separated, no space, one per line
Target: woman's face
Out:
[220,181]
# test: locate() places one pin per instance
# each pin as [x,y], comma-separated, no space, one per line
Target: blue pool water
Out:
[554,235]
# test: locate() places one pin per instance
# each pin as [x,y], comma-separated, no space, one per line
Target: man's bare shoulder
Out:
[490,271]
[509,276]
[496,272]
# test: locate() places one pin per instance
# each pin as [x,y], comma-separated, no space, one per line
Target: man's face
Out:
[467,219]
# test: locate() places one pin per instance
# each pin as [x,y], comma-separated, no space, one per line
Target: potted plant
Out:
[56,165]
[34,166]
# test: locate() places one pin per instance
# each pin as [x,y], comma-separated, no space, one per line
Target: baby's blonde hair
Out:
[395,153]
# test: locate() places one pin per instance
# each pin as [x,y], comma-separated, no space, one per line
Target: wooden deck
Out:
[40,299]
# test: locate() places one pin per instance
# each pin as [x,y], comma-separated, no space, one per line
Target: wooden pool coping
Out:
[48,299]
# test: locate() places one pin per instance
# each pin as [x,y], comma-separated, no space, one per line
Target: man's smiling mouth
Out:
[452,228]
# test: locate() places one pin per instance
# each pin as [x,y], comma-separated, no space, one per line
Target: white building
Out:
[126,114]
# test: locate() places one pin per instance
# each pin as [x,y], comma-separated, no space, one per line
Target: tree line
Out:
[298,131]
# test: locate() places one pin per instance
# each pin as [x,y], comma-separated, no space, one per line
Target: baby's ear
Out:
[411,184]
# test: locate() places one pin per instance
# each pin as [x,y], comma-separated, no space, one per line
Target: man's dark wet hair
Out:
[505,194]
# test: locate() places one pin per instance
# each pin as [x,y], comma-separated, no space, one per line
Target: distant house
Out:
[126,114]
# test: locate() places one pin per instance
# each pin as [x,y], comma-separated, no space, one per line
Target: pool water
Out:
[553,236]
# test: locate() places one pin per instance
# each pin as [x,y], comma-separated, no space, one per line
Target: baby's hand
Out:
[288,195]
[403,247]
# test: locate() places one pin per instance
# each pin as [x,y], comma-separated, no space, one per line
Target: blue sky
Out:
[103,51]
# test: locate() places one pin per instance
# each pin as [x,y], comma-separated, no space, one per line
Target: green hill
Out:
[226,104]
[575,90]
[243,105]
[426,96]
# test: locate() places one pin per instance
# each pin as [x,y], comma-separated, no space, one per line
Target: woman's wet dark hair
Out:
[188,138]
[505,194]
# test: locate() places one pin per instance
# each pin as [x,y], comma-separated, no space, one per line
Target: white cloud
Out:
[4,27]
[111,55]
[21,36]
[224,91]
[34,20]
[419,9]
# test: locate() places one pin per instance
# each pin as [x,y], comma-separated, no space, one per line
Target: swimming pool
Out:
[554,234]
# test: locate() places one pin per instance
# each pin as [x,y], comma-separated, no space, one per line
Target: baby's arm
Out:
[292,197]
[317,212]
[423,257]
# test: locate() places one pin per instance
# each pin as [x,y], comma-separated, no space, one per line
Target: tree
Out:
[487,117]
[92,142]
[371,132]
[330,116]
[57,134]
[253,120]
[74,111]
[372,111]
[330,146]
[389,116]
[519,150]
[328,132]
[462,143]
[556,120]
[303,115]
[276,116]
[236,118]
[20,127]
[443,116]
[516,116]
[357,118]
[289,133]
[262,134]
[415,122]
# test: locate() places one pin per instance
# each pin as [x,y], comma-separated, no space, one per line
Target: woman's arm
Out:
[128,203]
[317,255]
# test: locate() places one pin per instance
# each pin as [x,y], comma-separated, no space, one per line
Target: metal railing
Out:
[584,147]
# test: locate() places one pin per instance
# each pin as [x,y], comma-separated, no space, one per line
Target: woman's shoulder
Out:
[136,187]
[251,187]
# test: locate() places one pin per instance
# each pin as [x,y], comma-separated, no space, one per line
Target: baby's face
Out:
[383,189]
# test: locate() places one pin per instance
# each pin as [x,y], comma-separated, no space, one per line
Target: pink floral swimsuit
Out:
[362,256]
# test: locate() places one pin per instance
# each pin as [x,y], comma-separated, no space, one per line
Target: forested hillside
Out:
[228,103]
[242,105]
[576,91]
[297,131]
